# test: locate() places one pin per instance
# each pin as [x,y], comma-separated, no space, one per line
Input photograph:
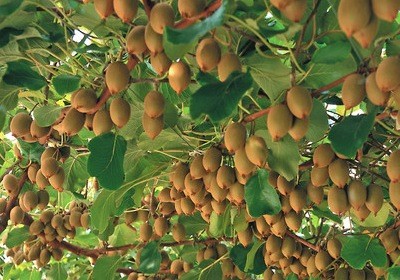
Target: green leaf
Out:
[75,171]
[393,273]
[283,155]
[106,160]
[377,220]
[219,223]
[261,197]
[9,6]
[150,258]
[47,114]
[219,100]
[318,122]
[254,261]
[30,275]
[122,236]
[8,95]
[3,114]
[193,224]
[323,211]
[177,42]
[20,73]
[270,74]
[240,255]
[57,272]
[66,83]
[106,267]
[350,134]
[206,270]
[332,53]
[359,249]
[17,236]
[31,151]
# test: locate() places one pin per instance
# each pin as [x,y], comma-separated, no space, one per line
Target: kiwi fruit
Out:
[164,195]
[389,239]
[262,227]
[319,176]
[212,159]
[242,163]
[17,215]
[192,186]
[366,35]
[34,252]
[152,127]
[178,232]
[160,63]
[179,76]
[57,254]
[38,131]
[154,41]
[299,129]
[219,207]
[161,226]
[102,122]
[217,193]
[20,124]
[57,180]
[235,137]
[84,100]
[356,274]
[10,183]
[49,167]
[50,152]
[353,90]
[75,219]
[225,176]
[337,200]
[120,112]
[145,232]
[299,102]
[256,150]
[236,192]
[353,15]
[280,228]
[36,227]
[104,8]
[179,174]
[311,267]
[394,194]
[197,170]
[298,199]
[130,217]
[73,122]
[374,200]
[19,257]
[227,267]
[208,54]
[284,186]
[32,171]
[388,73]
[295,10]
[293,220]
[191,8]
[161,15]
[135,40]
[322,260]
[342,273]
[323,155]
[288,246]
[334,247]
[279,121]
[30,200]
[41,181]
[117,77]
[339,172]
[228,63]
[393,167]
[245,237]
[285,203]
[126,10]
[356,194]
[187,206]
[45,256]
[374,94]
[362,213]
[386,9]
[154,104]
[85,220]
[273,244]
[3,205]
[176,266]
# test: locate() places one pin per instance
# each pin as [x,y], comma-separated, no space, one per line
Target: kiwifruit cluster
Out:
[292,117]
[360,18]
[294,10]
[126,10]
[24,127]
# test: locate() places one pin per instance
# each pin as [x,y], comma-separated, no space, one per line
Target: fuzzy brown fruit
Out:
[386,9]
[208,54]
[117,77]
[104,8]
[353,91]
[73,122]
[299,129]
[102,122]
[295,10]
[339,172]
[225,176]
[120,112]
[279,121]
[353,15]
[10,183]
[212,159]
[323,155]
[84,100]
[315,194]
[57,180]
[256,150]
[191,8]
[153,40]
[178,232]
[49,167]
[366,35]
[152,127]
[299,102]
[39,131]
[393,166]
[154,104]
[374,200]
[229,62]
[357,194]
[161,15]
[388,74]
[20,124]
[179,76]
[16,215]
[160,63]
[235,137]
[374,94]
[394,194]
[242,163]
[337,200]
[126,10]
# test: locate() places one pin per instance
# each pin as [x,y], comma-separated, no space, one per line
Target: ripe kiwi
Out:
[295,10]
[197,170]
[386,9]
[85,220]
[57,254]
[45,256]
[187,206]
[229,63]
[36,227]
[374,94]
[30,200]
[334,247]
[284,186]
[273,244]
[357,194]
[337,200]
[356,274]
[179,76]
[393,166]
[311,268]
[104,8]
[285,202]
[117,77]
[120,112]
[374,200]
[57,180]
[41,180]
[135,40]
[319,176]
[161,15]
[225,176]
[212,159]
[73,122]
[236,192]
[235,137]
[298,199]
[299,128]
[178,178]
[152,127]
[256,150]
[192,185]
[20,124]
[126,10]
[365,36]
[49,167]
[145,232]
[10,183]
[50,152]
[161,226]
[3,205]
[218,207]
[279,121]
[218,193]
[153,40]
[293,220]
[178,232]
[227,268]
[208,54]
[388,73]
[245,237]
[75,219]
[339,172]
[323,155]
[176,266]
[280,228]
[342,273]
[84,100]
[160,63]
[16,215]
[389,239]
[154,104]
[102,122]
[353,15]
[362,213]
[394,194]
[262,227]
[242,163]
[299,102]
[353,90]
[38,131]
[322,260]
[288,246]
[191,8]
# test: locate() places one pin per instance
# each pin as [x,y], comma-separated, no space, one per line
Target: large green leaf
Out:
[57,272]
[9,6]
[318,122]
[66,83]
[219,223]
[75,171]
[47,114]
[106,267]
[393,273]
[122,236]
[247,259]
[20,73]
[219,100]
[17,236]
[357,250]
[193,224]
[261,197]
[206,270]
[106,160]
[31,151]
[332,53]
[8,95]
[150,258]
[350,134]
[178,42]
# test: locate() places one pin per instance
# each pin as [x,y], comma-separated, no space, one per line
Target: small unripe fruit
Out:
[279,121]
[104,8]
[179,76]
[20,124]
[102,122]
[135,41]
[126,10]
[117,77]
[161,15]
[152,127]
[191,8]
[208,54]
[229,63]
[388,73]
[154,104]
[120,112]
[153,40]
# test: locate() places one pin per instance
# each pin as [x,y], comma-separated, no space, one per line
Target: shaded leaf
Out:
[47,114]
[65,83]
[332,53]
[106,267]
[20,73]
[17,236]
[57,272]
[318,122]
[150,258]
